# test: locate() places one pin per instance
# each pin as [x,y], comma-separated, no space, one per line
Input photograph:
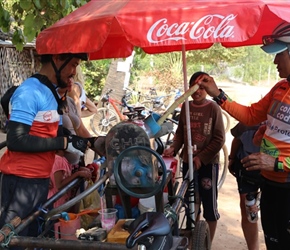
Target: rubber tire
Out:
[224,163]
[226,120]
[148,105]
[201,236]
[97,125]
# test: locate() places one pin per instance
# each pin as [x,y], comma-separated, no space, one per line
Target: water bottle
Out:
[251,201]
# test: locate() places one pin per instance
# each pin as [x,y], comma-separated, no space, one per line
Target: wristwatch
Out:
[278,166]
[221,98]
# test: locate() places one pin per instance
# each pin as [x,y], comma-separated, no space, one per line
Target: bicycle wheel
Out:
[103,121]
[148,105]
[223,166]
[201,236]
[226,120]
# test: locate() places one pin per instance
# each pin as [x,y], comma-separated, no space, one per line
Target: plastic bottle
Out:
[251,201]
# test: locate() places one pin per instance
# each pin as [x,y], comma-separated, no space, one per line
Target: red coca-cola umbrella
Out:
[111,28]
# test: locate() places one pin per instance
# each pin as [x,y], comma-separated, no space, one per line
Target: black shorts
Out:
[22,197]
[207,189]
[275,215]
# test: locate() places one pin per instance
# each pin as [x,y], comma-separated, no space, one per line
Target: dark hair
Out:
[195,76]
[47,58]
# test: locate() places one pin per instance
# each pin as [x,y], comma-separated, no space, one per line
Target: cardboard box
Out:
[118,234]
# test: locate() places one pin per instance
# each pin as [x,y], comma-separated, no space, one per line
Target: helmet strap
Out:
[60,83]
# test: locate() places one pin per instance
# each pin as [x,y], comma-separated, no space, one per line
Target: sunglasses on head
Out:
[269,39]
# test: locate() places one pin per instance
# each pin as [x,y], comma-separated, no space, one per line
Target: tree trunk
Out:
[115,80]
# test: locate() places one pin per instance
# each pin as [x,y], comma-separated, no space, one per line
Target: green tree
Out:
[24,19]
[95,73]
[245,64]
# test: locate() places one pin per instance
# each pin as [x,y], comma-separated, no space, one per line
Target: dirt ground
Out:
[229,233]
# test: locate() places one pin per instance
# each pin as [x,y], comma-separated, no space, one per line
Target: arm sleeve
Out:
[249,115]
[19,139]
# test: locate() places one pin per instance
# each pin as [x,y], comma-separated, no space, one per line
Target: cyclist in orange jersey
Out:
[274,157]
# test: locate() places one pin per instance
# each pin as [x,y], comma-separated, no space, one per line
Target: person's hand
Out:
[93,167]
[168,152]
[76,145]
[258,161]
[196,162]
[209,85]
[100,145]
[92,141]
[84,173]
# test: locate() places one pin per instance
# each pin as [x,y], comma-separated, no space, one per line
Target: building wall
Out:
[15,67]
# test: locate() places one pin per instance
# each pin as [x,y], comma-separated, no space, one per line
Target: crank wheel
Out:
[137,172]
[201,236]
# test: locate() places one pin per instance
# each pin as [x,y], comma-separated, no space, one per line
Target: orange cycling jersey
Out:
[275,108]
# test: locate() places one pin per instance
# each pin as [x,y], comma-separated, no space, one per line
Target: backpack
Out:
[5,100]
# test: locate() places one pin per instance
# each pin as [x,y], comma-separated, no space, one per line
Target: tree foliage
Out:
[24,19]
[95,73]
[243,64]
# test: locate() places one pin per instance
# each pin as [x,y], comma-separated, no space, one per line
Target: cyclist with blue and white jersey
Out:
[33,136]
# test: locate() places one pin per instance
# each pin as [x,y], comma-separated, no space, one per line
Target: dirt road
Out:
[229,233]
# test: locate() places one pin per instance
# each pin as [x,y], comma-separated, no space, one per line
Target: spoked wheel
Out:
[223,166]
[149,105]
[201,236]
[103,121]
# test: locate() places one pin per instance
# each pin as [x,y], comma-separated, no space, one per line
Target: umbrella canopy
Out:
[111,28]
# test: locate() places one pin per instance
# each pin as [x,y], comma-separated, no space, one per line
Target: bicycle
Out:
[157,103]
[110,114]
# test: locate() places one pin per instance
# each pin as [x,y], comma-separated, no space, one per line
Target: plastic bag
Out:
[90,202]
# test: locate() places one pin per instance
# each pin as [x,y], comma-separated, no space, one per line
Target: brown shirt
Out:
[207,131]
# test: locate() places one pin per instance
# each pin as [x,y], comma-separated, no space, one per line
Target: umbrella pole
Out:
[188,131]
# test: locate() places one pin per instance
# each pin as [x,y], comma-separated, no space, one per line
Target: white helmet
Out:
[279,40]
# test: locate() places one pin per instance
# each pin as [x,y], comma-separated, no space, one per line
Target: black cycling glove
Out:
[76,144]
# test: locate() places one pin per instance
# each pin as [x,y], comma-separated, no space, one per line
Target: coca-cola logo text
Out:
[162,31]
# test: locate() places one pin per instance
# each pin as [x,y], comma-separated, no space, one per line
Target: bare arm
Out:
[60,182]
[91,106]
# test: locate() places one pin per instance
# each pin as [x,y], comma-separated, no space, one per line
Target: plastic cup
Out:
[108,218]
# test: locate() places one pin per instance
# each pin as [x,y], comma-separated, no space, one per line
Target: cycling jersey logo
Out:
[269,148]
[47,116]
[281,112]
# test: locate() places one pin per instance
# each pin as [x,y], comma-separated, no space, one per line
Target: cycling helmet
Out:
[66,57]
[278,41]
